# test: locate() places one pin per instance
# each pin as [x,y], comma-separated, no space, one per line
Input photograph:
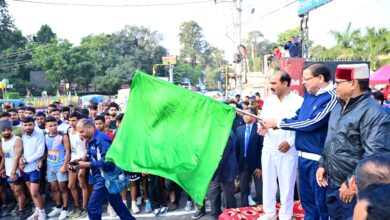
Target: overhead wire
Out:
[110,5]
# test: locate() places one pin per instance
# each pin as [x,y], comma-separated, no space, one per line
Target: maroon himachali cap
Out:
[352,71]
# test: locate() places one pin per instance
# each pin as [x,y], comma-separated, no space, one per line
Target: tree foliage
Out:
[286,35]
[368,44]
[44,35]
[192,41]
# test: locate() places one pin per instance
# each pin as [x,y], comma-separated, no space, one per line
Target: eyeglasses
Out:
[337,83]
[307,79]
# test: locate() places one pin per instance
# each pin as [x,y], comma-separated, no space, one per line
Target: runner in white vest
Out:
[10,153]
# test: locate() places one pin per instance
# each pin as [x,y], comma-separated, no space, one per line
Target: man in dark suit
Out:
[249,146]
[223,179]
[238,120]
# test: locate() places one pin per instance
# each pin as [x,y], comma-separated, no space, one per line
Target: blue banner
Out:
[308,5]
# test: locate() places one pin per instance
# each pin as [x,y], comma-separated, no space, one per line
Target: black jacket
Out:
[255,147]
[227,168]
[362,129]
[237,122]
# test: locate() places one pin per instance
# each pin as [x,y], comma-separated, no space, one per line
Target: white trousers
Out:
[284,168]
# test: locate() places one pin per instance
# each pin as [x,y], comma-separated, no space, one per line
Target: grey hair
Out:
[85,122]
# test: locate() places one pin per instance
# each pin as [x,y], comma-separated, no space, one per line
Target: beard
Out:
[29,131]
[113,114]
[7,136]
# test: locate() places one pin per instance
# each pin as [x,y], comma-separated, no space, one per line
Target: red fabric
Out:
[278,54]
[344,73]
[252,213]
[261,103]
[110,135]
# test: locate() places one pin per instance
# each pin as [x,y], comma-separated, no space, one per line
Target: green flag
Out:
[172,132]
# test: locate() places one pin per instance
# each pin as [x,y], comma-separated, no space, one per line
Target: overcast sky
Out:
[75,22]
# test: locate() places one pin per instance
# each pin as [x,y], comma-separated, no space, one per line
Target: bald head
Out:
[86,128]
[373,170]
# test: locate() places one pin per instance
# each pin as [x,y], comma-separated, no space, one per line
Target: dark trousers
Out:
[338,210]
[245,178]
[313,197]
[215,193]
[172,186]
[157,191]
[99,197]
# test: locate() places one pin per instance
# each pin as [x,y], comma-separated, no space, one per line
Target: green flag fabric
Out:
[172,132]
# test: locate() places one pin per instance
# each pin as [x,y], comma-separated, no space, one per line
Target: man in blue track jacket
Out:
[311,125]
[97,146]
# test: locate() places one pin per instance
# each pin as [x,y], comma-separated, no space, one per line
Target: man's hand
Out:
[270,123]
[346,194]
[83,164]
[2,173]
[39,165]
[261,130]
[63,169]
[13,176]
[284,147]
[321,177]
[257,173]
[21,163]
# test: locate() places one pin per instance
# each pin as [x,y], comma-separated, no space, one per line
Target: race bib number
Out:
[7,155]
[53,156]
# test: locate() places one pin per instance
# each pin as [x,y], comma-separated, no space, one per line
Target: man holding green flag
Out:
[172,132]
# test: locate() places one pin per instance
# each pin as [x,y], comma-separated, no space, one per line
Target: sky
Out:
[216,19]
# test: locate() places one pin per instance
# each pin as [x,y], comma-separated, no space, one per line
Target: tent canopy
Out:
[380,76]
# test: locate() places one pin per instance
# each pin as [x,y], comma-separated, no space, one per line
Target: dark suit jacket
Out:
[237,122]
[255,146]
[227,168]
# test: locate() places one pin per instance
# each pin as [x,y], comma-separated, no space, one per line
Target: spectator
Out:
[291,46]
[373,203]
[223,179]
[277,53]
[358,128]
[374,169]
[379,98]
[248,149]
[238,120]
[259,101]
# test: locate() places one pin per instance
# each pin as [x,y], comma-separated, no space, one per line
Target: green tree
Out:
[192,42]
[185,70]
[115,76]
[286,35]
[9,35]
[61,61]
[140,43]
[44,35]
[348,38]
[378,43]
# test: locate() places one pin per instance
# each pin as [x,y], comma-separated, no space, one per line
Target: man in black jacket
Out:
[358,127]
[223,179]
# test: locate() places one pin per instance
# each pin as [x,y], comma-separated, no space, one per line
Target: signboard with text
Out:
[307,5]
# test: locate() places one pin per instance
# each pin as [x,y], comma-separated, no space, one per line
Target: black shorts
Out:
[18,182]
[132,177]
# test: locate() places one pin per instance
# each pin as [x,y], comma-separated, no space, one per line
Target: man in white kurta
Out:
[279,157]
